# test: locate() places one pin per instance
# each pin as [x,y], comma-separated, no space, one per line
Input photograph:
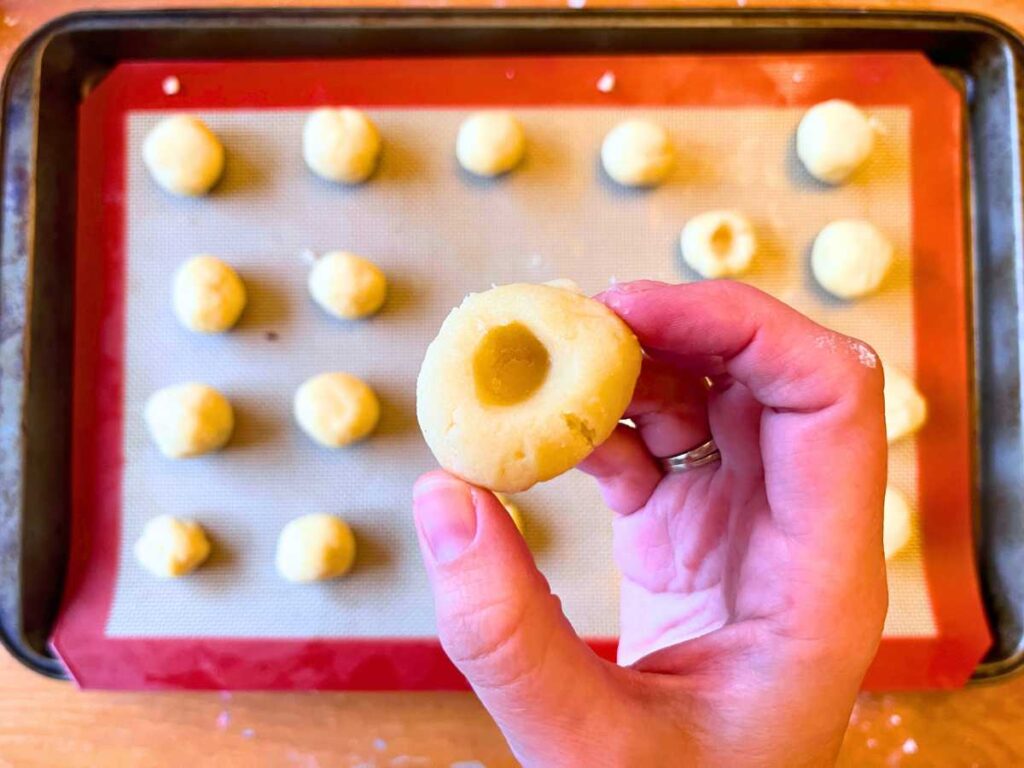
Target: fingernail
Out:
[444,509]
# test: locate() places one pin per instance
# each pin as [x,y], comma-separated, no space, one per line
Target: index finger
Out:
[787,360]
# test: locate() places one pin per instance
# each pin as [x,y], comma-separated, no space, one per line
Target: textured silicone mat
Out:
[439,234]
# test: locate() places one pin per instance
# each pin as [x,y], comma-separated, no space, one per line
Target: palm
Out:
[700,554]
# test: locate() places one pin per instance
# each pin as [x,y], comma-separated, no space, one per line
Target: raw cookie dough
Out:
[314,548]
[346,285]
[850,258]
[340,145]
[833,140]
[566,285]
[718,243]
[183,155]
[188,420]
[490,143]
[513,510]
[906,410]
[209,296]
[637,153]
[336,409]
[896,526]
[171,547]
[522,382]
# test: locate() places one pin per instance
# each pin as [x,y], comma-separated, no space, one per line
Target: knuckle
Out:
[485,639]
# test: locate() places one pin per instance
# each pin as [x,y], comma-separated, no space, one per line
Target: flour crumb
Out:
[248,733]
[577,4]
[865,357]
[895,719]
[798,76]
[223,719]
[380,745]
[910,747]
[10,21]
[171,85]
[827,341]
[871,743]
[741,3]
[607,82]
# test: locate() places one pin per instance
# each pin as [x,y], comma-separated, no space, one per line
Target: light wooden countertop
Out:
[47,723]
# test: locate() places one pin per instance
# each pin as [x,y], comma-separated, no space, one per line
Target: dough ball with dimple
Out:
[833,140]
[522,383]
[189,420]
[314,548]
[341,145]
[490,143]
[906,410]
[718,243]
[170,547]
[850,258]
[336,409]
[209,296]
[183,155]
[897,524]
[346,285]
[637,153]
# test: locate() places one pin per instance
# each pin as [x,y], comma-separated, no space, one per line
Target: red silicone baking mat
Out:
[936,632]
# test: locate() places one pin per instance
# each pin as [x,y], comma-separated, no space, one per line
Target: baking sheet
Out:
[438,234]
[419,216]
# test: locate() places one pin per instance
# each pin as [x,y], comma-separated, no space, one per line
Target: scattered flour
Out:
[865,356]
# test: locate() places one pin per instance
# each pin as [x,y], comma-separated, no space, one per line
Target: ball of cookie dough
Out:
[637,153]
[170,547]
[906,410]
[336,409]
[833,140]
[718,243]
[189,420]
[209,296]
[341,145]
[314,548]
[513,510]
[183,155]
[896,526]
[346,285]
[490,143]
[850,258]
[522,383]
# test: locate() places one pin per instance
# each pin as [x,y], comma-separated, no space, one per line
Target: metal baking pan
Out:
[49,73]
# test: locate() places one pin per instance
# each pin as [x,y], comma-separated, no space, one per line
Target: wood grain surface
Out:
[47,723]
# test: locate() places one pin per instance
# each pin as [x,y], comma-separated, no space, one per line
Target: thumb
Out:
[499,622]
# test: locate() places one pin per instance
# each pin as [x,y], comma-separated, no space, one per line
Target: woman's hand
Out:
[753,590]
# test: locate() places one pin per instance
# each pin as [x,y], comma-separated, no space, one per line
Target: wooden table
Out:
[45,723]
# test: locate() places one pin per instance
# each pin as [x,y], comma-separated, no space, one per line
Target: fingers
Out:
[624,469]
[820,432]
[786,360]
[498,620]
[669,409]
